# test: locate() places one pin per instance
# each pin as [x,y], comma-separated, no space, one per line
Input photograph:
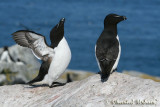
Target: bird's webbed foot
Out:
[114,70]
[56,84]
[98,72]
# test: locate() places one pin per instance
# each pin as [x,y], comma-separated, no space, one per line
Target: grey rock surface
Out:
[19,72]
[142,75]
[76,75]
[120,90]
[2,78]
[24,54]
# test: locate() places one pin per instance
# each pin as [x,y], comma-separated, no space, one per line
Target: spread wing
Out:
[34,41]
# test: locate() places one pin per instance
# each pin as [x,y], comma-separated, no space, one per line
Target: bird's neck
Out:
[111,28]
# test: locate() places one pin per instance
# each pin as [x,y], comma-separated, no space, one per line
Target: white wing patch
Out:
[119,54]
[97,59]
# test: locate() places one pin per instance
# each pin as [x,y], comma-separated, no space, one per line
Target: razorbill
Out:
[55,58]
[5,56]
[108,49]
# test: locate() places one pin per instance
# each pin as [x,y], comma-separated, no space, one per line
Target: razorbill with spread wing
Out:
[108,47]
[55,58]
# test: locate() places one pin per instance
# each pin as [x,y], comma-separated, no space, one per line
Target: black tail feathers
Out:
[106,66]
[105,77]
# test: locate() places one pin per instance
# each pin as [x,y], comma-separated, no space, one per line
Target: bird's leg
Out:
[68,78]
[114,70]
[55,84]
[98,72]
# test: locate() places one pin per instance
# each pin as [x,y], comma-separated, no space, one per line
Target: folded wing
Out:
[35,42]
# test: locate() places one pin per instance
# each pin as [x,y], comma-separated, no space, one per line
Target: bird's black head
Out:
[113,19]
[59,27]
[57,33]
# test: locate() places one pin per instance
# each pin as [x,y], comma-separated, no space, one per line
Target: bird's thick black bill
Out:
[62,20]
[124,17]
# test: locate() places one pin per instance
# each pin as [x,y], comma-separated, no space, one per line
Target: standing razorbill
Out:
[108,47]
[55,58]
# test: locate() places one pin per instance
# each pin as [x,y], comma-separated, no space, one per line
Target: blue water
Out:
[139,34]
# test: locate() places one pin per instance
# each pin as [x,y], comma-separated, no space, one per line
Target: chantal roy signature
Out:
[134,102]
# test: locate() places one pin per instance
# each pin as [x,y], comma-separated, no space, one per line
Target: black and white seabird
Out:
[55,58]
[108,47]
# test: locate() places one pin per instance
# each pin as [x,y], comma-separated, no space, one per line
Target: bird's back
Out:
[107,43]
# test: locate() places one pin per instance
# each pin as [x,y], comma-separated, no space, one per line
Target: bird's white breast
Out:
[60,60]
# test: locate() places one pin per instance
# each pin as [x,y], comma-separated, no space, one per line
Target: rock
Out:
[142,75]
[76,75]
[2,79]
[24,54]
[19,72]
[120,90]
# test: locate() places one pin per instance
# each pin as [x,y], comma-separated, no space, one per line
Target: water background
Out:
[139,34]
